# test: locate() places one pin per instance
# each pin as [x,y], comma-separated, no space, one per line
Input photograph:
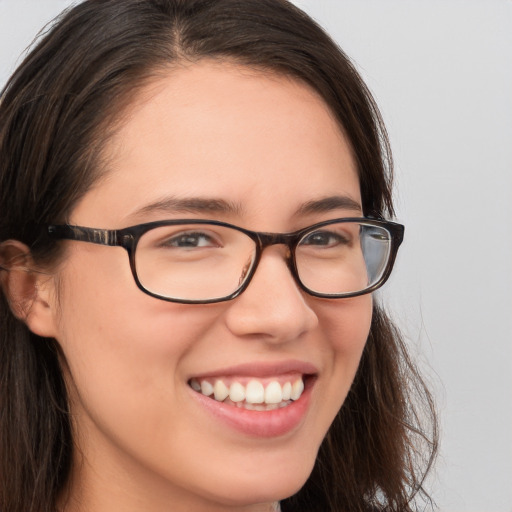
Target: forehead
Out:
[221,130]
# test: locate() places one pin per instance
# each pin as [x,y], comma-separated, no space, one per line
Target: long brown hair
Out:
[56,115]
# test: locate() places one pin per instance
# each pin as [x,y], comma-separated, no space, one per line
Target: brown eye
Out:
[324,239]
[190,240]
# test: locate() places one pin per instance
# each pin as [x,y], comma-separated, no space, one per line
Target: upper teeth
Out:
[254,392]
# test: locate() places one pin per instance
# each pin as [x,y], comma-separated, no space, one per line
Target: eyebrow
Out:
[328,204]
[191,205]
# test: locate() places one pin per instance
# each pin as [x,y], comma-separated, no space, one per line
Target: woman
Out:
[192,195]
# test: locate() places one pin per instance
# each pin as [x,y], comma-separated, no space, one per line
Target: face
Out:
[270,146]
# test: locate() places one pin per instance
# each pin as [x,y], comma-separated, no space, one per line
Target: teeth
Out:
[206,388]
[236,392]
[273,393]
[220,391]
[264,407]
[253,396]
[297,389]
[254,392]
[287,391]
[195,385]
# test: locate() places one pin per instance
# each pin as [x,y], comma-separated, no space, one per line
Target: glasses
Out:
[204,261]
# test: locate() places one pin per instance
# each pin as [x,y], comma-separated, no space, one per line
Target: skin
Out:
[213,130]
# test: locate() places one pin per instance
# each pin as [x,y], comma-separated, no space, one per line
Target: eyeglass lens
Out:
[207,262]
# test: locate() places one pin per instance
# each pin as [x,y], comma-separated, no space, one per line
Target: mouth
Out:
[251,393]
[259,400]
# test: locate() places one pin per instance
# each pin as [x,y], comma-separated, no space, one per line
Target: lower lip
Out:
[273,423]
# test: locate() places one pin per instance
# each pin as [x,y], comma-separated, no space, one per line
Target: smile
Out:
[261,400]
[252,394]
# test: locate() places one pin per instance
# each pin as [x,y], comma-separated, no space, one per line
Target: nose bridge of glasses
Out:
[265,240]
[289,240]
[268,239]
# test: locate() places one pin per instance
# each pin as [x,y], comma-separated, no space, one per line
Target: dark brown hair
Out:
[56,114]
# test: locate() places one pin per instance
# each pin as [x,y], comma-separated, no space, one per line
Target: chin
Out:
[263,487]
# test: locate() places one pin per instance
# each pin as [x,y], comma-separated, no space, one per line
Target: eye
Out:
[380,235]
[324,239]
[190,240]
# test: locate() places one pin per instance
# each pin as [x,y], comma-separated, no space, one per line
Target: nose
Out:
[272,308]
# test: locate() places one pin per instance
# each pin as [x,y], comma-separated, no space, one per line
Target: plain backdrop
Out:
[441,71]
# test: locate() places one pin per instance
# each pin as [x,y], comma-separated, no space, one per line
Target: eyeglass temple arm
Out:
[81,234]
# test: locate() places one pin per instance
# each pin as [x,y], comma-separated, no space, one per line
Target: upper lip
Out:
[261,369]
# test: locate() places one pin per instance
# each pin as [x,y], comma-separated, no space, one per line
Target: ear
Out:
[29,291]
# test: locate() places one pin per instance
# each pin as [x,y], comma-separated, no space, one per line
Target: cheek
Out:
[127,340]
[346,325]
[123,348]
[103,312]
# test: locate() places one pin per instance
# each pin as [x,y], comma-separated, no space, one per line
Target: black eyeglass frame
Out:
[129,237]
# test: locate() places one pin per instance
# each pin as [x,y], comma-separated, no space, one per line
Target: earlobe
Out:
[29,291]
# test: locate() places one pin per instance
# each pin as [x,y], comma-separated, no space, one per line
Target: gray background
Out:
[441,72]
